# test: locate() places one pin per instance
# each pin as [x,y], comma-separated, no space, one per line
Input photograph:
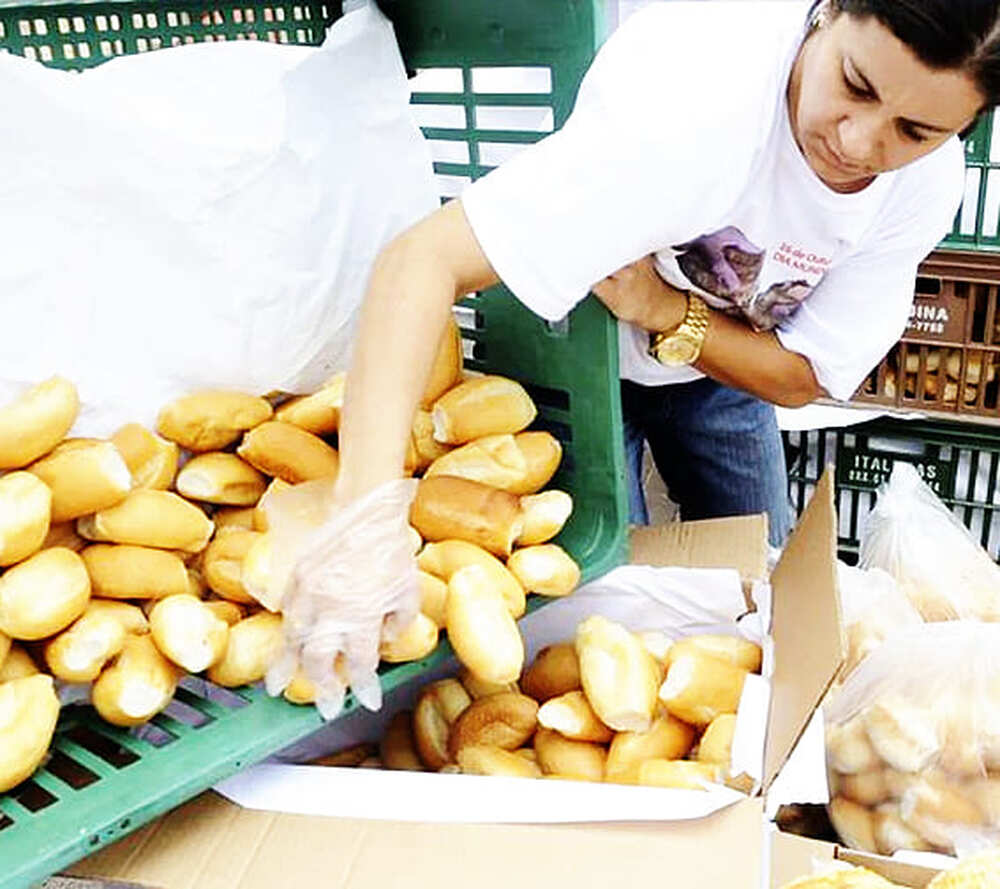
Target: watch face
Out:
[677,350]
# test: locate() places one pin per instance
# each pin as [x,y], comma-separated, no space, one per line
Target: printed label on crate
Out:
[867,470]
[936,318]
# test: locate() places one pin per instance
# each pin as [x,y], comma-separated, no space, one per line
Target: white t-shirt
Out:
[680,145]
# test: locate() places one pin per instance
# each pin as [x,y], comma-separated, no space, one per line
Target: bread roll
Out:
[985,794]
[443,559]
[251,648]
[446,508]
[486,405]
[481,629]
[854,823]
[698,688]
[151,518]
[619,676]
[223,567]
[980,871]
[903,735]
[234,518]
[16,665]
[260,510]
[25,510]
[139,684]
[560,756]
[151,460]
[211,419]
[716,743]
[397,749]
[421,448]
[418,639]
[484,759]
[36,421]
[544,516]
[290,453]
[64,534]
[29,710]
[79,653]
[226,611]
[938,811]
[124,571]
[554,671]
[438,707]
[5,645]
[258,577]
[350,757]
[493,460]
[543,454]
[572,716]
[545,569]
[318,413]
[433,598]
[43,594]
[188,632]
[477,688]
[657,643]
[446,371]
[682,774]
[85,475]
[301,689]
[892,834]
[848,749]
[865,788]
[666,738]
[735,650]
[217,477]
[129,616]
[505,720]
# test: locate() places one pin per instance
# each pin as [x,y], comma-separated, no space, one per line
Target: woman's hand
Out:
[637,294]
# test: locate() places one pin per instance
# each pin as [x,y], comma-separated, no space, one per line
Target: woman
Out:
[764,187]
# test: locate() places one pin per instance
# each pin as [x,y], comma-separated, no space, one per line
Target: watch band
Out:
[691,330]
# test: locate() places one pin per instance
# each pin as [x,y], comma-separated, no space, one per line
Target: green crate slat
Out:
[572,367]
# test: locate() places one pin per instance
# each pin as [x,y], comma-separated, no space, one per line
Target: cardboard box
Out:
[212,843]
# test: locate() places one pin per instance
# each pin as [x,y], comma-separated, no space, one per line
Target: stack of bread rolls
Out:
[949,375]
[610,705]
[127,562]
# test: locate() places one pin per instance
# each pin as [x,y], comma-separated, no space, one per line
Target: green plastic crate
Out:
[103,782]
[976,223]
[959,462]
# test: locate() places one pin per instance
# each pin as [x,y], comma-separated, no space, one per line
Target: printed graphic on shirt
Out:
[726,266]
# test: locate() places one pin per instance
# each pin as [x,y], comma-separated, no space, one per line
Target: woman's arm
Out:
[732,353]
[415,281]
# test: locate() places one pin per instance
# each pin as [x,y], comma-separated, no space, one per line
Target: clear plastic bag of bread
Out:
[913,742]
[938,564]
[338,603]
[874,608]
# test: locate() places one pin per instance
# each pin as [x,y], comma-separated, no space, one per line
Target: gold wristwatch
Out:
[682,345]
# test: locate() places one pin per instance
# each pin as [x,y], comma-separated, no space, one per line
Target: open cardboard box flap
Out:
[794,856]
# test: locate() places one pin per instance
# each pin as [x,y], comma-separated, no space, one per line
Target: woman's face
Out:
[862,103]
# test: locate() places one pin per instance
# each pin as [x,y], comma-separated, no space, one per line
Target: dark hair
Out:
[953,34]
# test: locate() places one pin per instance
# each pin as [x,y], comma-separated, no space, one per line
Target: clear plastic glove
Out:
[354,581]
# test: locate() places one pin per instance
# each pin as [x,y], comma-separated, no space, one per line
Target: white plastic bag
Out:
[874,608]
[913,536]
[913,742]
[200,216]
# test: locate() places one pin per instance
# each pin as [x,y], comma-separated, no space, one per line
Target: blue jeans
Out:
[717,449]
